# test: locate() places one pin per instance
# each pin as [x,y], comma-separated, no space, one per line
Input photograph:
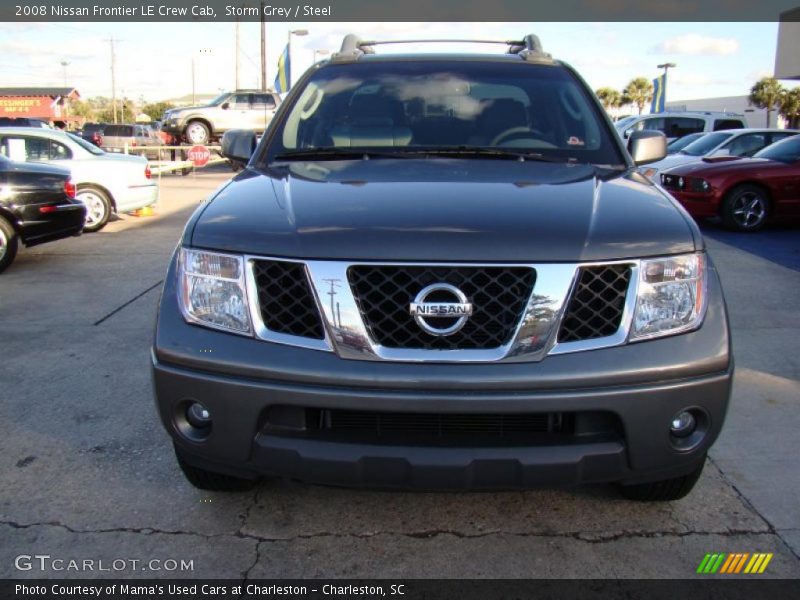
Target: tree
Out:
[639,92]
[155,110]
[789,107]
[766,93]
[609,97]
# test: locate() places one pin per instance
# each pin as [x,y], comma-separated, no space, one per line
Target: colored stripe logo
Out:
[734,563]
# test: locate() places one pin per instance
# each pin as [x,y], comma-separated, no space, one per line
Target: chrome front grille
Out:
[384,293]
[519,312]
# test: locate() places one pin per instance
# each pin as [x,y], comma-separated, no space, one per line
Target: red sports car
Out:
[744,192]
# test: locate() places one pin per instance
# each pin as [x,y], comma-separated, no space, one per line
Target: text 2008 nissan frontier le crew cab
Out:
[443,272]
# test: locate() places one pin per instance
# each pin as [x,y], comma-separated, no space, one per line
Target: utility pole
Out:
[263,50]
[334,284]
[64,65]
[193,101]
[237,54]
[113,80]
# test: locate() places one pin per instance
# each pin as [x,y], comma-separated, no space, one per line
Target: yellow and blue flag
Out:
[283,79]
[659,94]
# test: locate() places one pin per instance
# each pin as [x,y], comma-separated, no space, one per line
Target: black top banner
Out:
[399,11]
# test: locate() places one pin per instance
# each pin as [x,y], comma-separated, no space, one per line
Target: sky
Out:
[154,59]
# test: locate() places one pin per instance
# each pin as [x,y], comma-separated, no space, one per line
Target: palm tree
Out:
[609,97]
[789,107]
[639,91]
[766,93]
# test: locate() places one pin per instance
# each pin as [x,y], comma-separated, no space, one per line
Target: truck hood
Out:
[443,210]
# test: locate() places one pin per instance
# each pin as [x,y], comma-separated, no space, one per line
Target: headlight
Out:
[212,290]
[671,296]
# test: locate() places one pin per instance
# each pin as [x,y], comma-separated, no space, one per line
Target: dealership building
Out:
[49,104]
[787,57]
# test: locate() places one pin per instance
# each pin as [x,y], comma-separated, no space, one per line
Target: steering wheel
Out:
[514,132]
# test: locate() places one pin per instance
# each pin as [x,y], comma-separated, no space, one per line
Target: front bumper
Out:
[643,385]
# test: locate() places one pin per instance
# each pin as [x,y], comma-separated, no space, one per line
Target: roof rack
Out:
[528,48]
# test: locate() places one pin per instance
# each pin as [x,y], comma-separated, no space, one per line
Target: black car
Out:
[37,205]
[443,272]
[93,133]
[23,122]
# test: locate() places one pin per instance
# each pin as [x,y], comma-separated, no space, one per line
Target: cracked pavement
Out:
[88,472]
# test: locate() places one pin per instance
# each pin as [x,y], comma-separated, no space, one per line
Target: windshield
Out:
[399,107]
[219,99]
[681,143]
[705,144]
[85,145]
[787,151]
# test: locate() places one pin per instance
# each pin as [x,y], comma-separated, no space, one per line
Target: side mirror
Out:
[647,146]
[225,105]
[239,144]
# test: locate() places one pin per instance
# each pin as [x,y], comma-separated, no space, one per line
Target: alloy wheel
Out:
[3,244]
[95,207]
[749,210]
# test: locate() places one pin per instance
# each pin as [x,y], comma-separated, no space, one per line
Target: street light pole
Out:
[297,32]
[64,65]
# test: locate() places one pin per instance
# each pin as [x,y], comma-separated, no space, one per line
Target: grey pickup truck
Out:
[443,272]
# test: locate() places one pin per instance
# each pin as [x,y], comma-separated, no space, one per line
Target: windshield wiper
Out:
[414,151]
[334,154]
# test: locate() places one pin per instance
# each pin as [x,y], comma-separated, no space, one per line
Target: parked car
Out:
[93,132]
[105,182]
[24,122]
[746,192]
[678,124]
[37,205]
[439,272]
[723,145]
[130,139]
[248,109]
[681,142]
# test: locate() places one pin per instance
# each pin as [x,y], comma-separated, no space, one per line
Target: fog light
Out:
[683,424]
[198,415]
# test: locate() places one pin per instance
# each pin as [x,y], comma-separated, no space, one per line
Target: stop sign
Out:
[199,155]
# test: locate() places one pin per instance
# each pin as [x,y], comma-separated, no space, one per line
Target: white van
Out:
[678,124]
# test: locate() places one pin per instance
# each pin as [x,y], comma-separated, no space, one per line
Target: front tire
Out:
[9,244]
[666,490]
[98,208]
[211,481]
[197,132]
[745,208]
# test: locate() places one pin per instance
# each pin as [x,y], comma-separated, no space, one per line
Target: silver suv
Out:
[242,109]
[678,124]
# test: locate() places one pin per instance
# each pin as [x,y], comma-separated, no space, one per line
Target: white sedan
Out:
[106,182]
[732,143]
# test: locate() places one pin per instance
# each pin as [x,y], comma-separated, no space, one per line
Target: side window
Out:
[747,145]
[23,149]
[680,126]
[59,151]
[263,101]
[777,137]
[723,124]
[240,101]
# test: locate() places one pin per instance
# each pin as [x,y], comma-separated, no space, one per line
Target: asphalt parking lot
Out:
[88,473]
